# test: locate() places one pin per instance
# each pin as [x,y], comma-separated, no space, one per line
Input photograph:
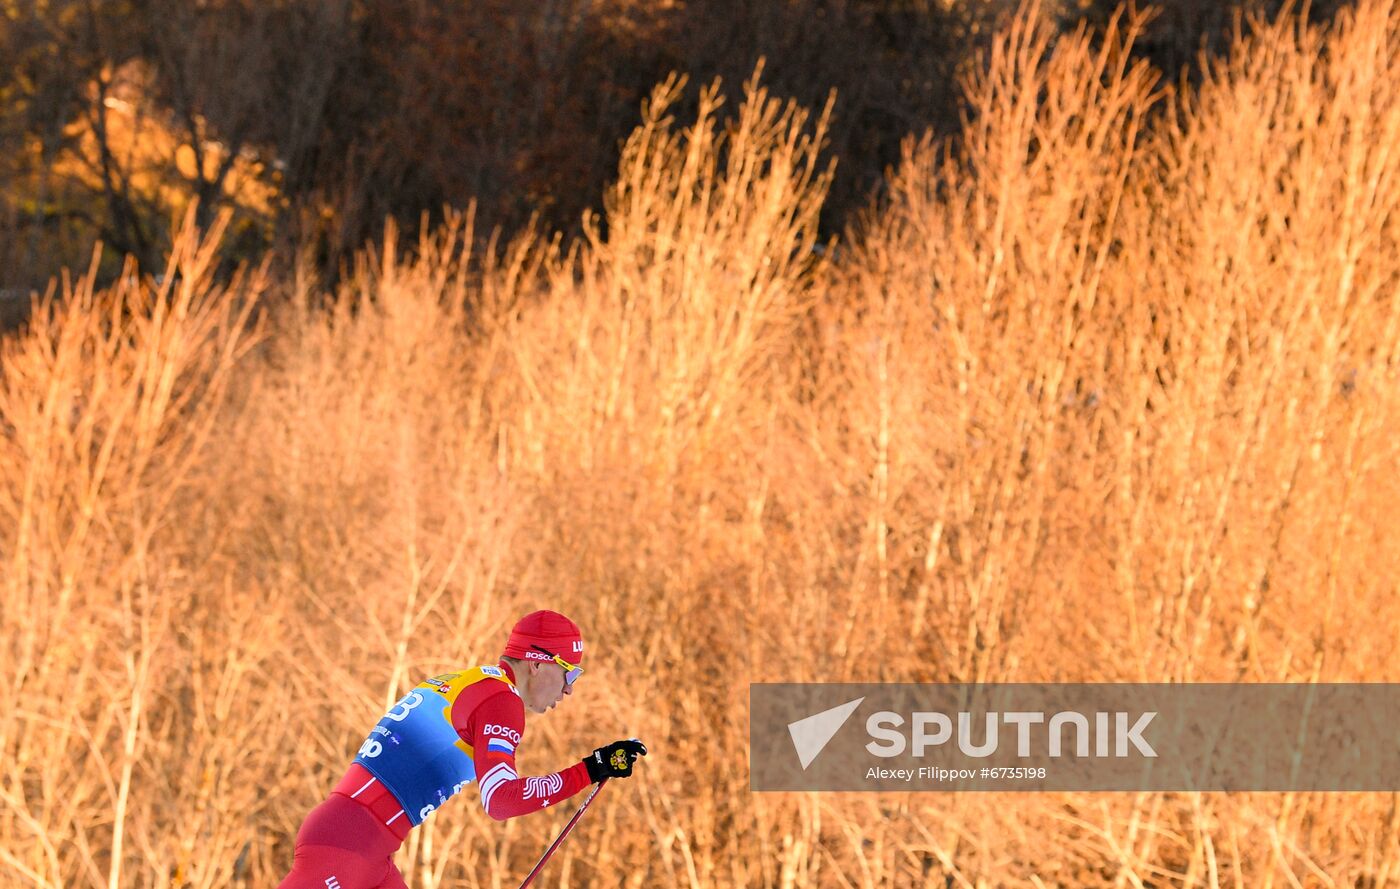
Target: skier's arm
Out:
[494,729]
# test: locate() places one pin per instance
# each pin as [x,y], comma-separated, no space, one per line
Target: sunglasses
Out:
[571,671]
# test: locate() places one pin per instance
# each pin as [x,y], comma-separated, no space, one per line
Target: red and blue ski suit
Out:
[447,732]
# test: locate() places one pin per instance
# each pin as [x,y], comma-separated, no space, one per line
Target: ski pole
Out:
[563,833]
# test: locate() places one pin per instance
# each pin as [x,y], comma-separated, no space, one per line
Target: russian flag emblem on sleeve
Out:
[500,745]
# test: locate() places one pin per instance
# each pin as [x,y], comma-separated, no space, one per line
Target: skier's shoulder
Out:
[483,673]
[483,678]
[488,690]
[494,684]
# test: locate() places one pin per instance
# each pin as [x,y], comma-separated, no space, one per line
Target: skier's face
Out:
[547,687]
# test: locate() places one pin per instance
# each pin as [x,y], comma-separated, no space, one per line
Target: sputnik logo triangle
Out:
[811,734]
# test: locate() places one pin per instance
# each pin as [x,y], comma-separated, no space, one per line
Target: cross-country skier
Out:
[447,732]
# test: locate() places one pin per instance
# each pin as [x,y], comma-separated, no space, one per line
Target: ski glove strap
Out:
[614,760]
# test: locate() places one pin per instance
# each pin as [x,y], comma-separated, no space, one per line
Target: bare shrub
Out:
[1105,392]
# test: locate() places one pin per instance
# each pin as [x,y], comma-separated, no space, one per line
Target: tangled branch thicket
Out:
[1107,391]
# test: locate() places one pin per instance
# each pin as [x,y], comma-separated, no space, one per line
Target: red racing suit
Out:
[445,733]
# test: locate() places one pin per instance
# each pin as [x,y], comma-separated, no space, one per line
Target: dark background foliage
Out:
[317,120]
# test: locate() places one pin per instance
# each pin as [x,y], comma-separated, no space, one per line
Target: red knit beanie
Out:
[549,630]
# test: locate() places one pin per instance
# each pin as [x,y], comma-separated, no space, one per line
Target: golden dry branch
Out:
[1104,391]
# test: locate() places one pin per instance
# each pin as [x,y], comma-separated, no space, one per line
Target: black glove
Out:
[614,760]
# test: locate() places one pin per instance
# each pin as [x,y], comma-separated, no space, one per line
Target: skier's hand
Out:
[614,760]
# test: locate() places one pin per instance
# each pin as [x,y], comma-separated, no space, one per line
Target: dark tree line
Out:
[317,119]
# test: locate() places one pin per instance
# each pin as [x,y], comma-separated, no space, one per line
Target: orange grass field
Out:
[1107,391]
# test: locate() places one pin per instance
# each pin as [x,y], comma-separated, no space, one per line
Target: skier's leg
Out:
[326,867]
[340,846]
[394,879]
